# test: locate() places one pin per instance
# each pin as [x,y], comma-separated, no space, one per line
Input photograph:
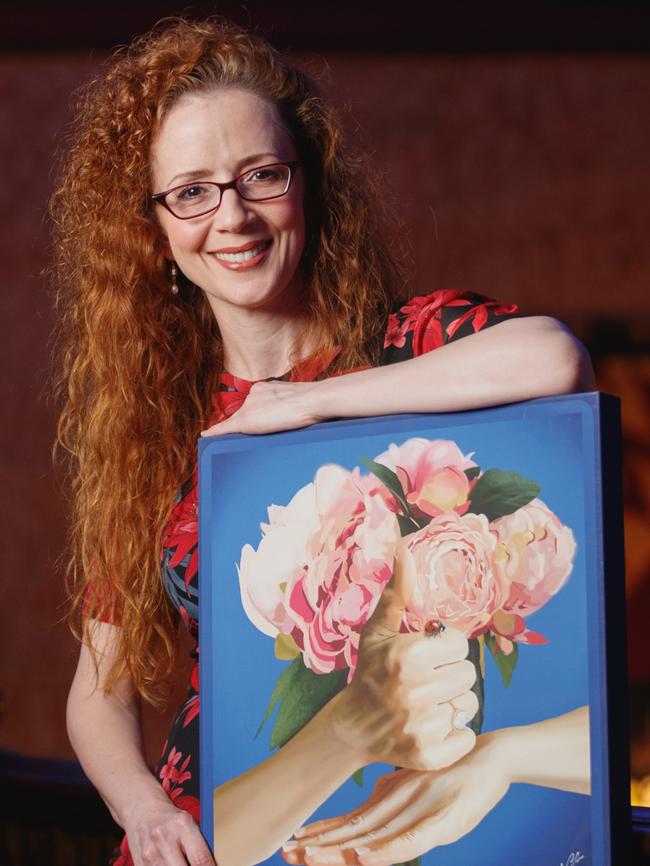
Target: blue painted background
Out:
[552,442]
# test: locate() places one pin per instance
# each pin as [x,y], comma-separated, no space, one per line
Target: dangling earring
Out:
[174,271]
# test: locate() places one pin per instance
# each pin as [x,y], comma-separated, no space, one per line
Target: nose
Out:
[233,212]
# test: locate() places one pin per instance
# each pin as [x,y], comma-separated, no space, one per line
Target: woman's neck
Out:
[258,344]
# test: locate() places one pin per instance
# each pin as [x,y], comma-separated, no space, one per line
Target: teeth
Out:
[246,256]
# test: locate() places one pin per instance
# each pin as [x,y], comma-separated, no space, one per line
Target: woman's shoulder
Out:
[426,322]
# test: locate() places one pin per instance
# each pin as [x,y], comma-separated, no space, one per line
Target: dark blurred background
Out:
[515,141]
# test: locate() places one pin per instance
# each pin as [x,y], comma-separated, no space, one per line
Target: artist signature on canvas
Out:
[573,858]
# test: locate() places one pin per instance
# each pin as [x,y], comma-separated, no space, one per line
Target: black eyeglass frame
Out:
[161,197]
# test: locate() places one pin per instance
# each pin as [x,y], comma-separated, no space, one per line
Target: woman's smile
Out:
[245,257]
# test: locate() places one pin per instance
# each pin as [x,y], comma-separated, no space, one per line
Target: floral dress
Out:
[422,324]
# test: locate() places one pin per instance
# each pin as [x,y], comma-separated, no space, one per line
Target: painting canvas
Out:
[412,640]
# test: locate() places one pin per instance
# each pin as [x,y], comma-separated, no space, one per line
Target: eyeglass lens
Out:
[194,199]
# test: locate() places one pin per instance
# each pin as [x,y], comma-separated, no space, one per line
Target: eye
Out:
[265,174]
[190,193]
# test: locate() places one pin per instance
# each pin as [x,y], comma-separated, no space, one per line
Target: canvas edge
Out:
[618,756]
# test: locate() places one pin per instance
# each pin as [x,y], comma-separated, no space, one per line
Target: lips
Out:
[243,254]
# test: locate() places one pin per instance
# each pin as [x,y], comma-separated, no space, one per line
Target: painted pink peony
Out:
[456,581]
[280,558]
[536,552]
[432,474]
[350,561]
[321,566]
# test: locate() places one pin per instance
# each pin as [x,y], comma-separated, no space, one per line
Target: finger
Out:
[430,723]
[382,787]
[446,752]
[196,849]
[368,817]
[390,608]
[462,710]
[221,428]
[450,645]
[330,857]
[401,823]
[418,664]
[162,849]
[406,846]
[444,828]
[410,842]
[423,699]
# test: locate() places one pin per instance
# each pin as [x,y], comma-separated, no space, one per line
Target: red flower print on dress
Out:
[230,397]
[395,334]
[182,532]
[125,858]
[423,314]
[187,803]
[312,368]
[170,774]
[478,315]
[190,708]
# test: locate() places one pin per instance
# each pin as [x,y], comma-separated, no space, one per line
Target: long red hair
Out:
[137,367]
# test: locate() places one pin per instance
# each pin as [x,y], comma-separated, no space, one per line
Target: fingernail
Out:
[290,845]
[300,832]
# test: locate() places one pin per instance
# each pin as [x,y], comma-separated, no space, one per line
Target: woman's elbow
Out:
[567,365]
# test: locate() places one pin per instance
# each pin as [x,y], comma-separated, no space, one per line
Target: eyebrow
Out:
[204,172]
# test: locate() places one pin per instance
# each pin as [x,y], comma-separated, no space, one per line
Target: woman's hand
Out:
[159,834]
[106,733]
[271,407]
[408,814]
[408,690]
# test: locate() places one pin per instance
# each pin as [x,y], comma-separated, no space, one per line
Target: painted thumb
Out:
[397,593]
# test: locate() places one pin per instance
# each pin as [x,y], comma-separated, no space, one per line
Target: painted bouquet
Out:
[487,554]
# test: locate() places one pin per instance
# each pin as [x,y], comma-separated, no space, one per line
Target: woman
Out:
[220,267]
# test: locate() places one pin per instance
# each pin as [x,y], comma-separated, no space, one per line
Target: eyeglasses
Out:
[201,197]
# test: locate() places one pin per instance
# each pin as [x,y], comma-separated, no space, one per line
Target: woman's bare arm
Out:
[518,359]
[105,732]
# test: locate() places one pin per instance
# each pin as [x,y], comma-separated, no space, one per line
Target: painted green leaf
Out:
[481,643]
[498,493]
[415,862]
[282,685]
[406,525]
[390,480]
[472,472]
[357,776]
[505,663]
[300,694]
[474,655]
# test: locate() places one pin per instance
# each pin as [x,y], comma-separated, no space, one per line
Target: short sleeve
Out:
[102,603]
[426,322]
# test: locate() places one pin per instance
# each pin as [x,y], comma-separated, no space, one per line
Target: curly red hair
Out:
[136,367]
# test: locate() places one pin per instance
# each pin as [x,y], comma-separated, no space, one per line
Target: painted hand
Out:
[398,707]
[408,814]
[271,407]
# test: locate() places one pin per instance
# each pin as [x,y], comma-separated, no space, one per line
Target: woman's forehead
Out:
[215,130]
